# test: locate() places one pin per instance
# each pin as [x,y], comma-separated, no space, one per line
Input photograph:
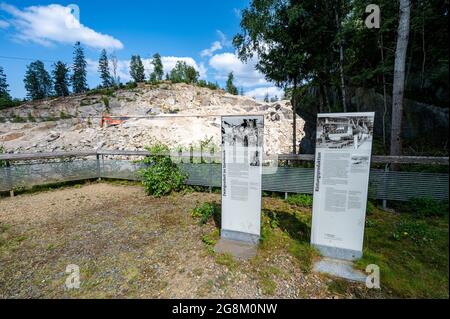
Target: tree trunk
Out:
[399,76]
[341,65]
[294,120]
[384,91]
[424,52]
[321,100]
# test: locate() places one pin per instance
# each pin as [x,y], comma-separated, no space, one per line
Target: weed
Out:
[417,231]
[302,200]
[227,260]
[204,212]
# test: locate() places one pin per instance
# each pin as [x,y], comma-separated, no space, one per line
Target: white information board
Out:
[341,178]
[242,147]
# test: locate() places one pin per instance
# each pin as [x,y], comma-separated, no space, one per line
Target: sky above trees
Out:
[196,32]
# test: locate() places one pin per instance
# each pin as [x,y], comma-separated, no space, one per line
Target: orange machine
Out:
[109,121]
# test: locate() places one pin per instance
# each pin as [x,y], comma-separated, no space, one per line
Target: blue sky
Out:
[198,32]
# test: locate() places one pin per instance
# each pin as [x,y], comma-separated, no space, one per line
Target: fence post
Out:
[98,167]
[386,170]
[210,172]
[9,177]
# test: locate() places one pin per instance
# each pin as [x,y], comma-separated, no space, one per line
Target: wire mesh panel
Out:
[403,186]
[27,175]
[5,182]
[289,180]
[389,185]
[120,169]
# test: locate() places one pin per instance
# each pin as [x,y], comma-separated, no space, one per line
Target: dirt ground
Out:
[130,245]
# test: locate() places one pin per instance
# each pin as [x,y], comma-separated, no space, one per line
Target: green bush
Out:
[426,207]
[161,176]
[303,200]
[205,212]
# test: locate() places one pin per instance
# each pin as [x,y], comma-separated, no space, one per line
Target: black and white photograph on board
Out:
[344,132]
[242,132]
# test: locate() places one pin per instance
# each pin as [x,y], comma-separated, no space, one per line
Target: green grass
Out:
[412,254]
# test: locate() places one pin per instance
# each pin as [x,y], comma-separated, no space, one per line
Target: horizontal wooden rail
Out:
[376,159]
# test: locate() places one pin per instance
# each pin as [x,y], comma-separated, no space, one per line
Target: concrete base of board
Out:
[339,268]
[238,249]
[239,236]
[338,253]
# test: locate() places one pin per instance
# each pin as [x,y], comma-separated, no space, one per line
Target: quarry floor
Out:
[130,245]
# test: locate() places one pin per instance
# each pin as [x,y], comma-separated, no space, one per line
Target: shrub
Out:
[161,176]
[303,200]
[204,212]
[427,207]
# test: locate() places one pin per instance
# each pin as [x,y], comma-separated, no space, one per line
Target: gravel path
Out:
[129,245]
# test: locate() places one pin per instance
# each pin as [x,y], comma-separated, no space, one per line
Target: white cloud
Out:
[216,45]
[245,74]
[47,25]
[261,92]
[4,24]
[169,62]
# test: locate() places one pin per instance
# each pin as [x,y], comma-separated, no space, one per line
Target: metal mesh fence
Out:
[386,185]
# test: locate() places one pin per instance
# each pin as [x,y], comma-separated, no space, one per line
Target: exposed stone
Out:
[174,114]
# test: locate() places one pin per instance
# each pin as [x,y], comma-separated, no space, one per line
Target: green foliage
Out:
[2,151]
[103,69]
[37,81]
[205,212]
[5,102]
[61,79]
[161,176]
[417,231]
[208,84]
[302,200]
[158,69]
[79,82]
[426,207]
[230,87]
[105,101]
[129,85]
[102,91]
[137,70]
[4,91]
[18,119]
[183,73]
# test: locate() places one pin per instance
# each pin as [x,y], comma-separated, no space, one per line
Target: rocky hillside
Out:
[179,115]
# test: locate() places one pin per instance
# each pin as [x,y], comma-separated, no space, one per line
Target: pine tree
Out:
[137,70]
[37,81]
[4,91]
[266,97]
[79,83]
[158,69]
[61,79]
[241,91]
[230,87]
[167,77]
[103,69]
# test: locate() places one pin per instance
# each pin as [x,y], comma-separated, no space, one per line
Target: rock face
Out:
[424,122]
[178,115]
